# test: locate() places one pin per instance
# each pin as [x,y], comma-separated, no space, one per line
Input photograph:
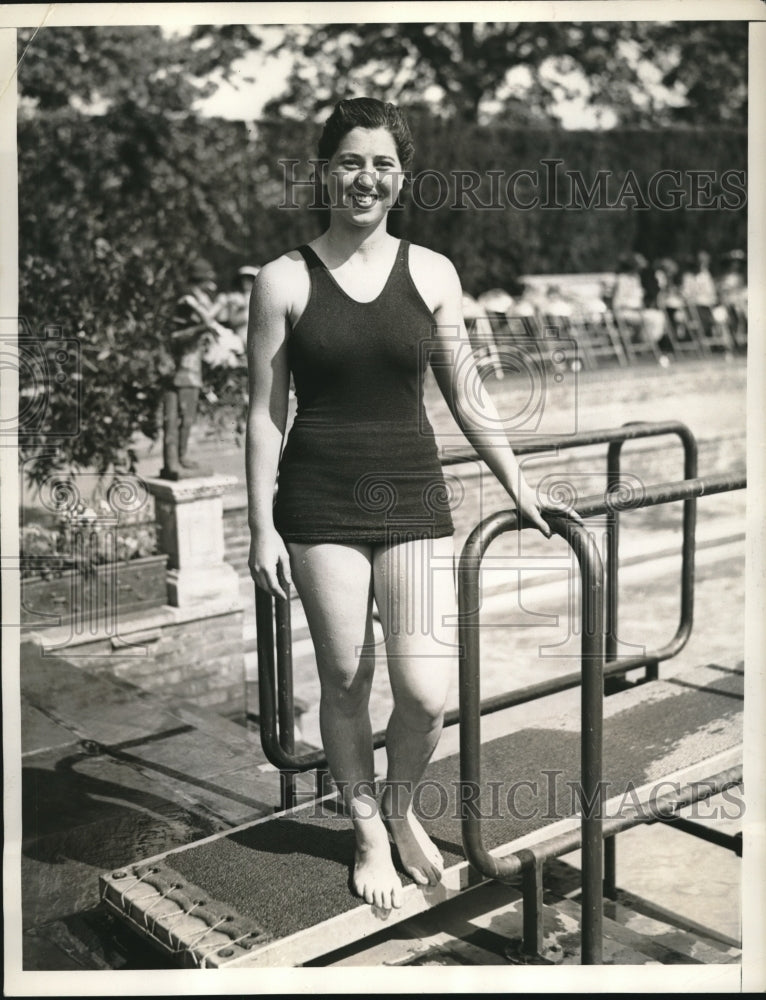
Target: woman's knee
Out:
[347,690]
[420,710]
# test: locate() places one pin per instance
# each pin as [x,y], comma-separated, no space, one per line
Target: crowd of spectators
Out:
[663,306]
[660,308]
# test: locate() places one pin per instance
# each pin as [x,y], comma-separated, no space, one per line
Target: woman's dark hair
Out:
[366,112]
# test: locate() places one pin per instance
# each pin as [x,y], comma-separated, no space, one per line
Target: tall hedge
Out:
[491,246]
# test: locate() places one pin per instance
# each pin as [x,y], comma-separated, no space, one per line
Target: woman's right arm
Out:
[269,380]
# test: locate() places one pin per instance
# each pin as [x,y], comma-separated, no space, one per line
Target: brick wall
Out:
[196,656]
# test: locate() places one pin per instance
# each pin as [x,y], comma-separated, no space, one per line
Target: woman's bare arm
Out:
[456,379]
[269,379]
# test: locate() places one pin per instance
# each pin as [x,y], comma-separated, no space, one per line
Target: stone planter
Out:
[108,591]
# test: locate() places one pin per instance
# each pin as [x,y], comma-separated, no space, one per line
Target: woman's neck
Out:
[343,241]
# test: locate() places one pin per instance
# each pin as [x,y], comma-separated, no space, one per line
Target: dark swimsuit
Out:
[361,464]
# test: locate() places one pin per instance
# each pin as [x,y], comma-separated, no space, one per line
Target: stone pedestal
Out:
[190,518]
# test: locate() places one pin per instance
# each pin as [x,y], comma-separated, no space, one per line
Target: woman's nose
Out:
[365,179]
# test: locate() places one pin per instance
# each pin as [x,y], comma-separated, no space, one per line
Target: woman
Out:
[360,512]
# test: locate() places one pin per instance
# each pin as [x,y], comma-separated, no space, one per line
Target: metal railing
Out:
[599,613]
[275,672]
[593,668]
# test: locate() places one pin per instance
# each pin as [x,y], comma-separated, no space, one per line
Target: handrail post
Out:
[592,712]
[689,540]
[591,732]
[285,696]
[264,625]
[613,469]
[275,706]
[612,552]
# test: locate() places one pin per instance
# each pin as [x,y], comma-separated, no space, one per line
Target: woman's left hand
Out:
[531,503]
[529,506]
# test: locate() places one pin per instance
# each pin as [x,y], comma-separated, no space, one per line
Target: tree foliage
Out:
[112,208]
[144,67]
[518,73]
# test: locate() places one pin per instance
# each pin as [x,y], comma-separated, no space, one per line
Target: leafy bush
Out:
[86,537]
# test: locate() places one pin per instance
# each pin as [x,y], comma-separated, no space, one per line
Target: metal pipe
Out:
[610,867]
[681,637]
[710,834]
[662,807]
[591,732]
[470,697]
[661,493]
[592,657]
[531,692]
[277,750]
[285,696]
[267,693]
[582,439]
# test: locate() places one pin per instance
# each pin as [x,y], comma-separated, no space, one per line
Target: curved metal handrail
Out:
[592,672]
[592,657]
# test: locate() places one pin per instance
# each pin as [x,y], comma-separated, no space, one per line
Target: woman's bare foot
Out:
[419,855]
[375,878]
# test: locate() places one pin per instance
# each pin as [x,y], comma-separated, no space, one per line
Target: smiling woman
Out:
[362,511]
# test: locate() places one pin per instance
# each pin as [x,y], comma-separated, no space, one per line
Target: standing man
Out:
[192,328]
[234,306]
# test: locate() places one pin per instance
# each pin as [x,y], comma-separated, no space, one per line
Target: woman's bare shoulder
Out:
[283,282]
[287,265]
[434,275]
[431,259]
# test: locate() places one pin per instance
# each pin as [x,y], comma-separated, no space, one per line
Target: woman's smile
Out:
[363,199]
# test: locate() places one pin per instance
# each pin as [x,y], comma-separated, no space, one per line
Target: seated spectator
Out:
[702,290]
[699,292]
[732,286]
[628,292]
[670,301]
[523,312]
[650,283]
[495,301]
[555,303]
[732,290]
[524,303]
[492,325]
[628,295]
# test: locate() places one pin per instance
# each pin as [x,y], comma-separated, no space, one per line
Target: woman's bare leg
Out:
[415,593]
[335,585]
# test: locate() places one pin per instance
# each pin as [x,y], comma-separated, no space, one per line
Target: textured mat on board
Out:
[290,872]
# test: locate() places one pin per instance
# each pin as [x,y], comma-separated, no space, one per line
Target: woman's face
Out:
[364,176]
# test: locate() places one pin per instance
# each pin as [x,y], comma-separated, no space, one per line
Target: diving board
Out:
[275,892]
